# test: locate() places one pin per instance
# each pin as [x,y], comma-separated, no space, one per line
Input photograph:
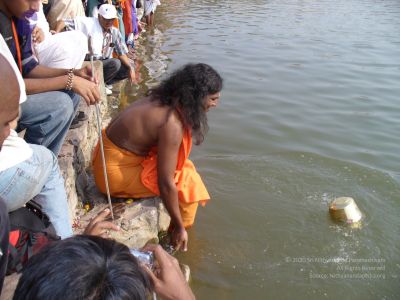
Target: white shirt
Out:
[104,43]
[91,27]
[14,150]
[42,22]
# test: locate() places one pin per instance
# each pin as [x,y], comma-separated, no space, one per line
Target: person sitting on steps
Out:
[106,39]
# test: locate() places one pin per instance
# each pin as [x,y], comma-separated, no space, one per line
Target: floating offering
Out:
[345,209]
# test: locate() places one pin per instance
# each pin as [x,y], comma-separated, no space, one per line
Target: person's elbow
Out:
[166,186]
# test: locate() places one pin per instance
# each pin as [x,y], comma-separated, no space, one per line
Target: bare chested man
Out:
[147,146]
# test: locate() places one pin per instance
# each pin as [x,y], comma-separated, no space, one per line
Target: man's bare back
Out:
[137,128]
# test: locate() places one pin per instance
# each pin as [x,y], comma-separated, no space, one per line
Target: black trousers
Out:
[4,229]
[114,70]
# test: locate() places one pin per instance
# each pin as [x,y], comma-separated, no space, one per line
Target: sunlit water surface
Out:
[309,112]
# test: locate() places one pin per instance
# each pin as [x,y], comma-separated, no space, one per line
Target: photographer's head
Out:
[83,267]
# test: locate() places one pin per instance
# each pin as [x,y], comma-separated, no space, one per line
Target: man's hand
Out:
[179,238]
[87,89]
[168,280]
[100,226]
[37,35]
[87,73]
[132,76]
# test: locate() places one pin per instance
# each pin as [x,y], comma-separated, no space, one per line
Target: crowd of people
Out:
[42,48]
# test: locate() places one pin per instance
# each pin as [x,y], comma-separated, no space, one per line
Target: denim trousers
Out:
[38,178]
[47,117]
[4,229]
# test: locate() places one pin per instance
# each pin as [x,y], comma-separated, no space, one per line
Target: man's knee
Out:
[111,68]
[51,105]
[113,64]
[43,155]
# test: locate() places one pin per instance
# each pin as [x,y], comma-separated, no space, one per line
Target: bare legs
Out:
[150,19]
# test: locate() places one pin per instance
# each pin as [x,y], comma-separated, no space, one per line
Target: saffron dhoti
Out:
[134,176]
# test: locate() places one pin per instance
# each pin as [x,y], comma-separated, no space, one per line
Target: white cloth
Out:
[42,22]
[139,11]
[150,6]
[91,27]
[64,50]
[14,150]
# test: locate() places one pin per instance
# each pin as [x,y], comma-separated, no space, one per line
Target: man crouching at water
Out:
[106,40]
[147,146]
[89,267]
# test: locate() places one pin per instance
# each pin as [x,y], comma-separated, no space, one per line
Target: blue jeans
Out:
[4,229]
[47,117]
[38,178]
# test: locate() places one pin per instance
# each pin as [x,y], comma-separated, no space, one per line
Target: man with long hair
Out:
[147,146]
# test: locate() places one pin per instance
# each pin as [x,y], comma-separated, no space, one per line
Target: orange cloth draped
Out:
[188,182]
[127,16]
[134,176]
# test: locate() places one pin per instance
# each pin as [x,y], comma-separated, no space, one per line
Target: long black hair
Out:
[185,90]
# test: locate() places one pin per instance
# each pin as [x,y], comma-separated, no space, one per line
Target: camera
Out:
[145,257]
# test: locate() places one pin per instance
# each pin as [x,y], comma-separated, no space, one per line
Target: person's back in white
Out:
[63,50]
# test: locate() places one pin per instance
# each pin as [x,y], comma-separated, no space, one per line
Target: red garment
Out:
[127,16]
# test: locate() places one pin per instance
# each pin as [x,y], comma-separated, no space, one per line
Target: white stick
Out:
[102,146]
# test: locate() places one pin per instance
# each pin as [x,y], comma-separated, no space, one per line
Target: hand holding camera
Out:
[166,275]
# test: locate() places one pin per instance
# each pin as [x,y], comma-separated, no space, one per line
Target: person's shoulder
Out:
[115,32]
[172,120]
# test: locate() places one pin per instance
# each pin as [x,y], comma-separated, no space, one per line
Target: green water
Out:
[309,112]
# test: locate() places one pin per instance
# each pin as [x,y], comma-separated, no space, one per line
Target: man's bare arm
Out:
[41,85]
[125,60]
[44,72]
[42,79]
[169,141]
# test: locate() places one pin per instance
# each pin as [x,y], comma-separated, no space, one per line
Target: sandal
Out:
[75,124]
[81,116]
[77,121]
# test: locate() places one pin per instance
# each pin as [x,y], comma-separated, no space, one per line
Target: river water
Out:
[309,112]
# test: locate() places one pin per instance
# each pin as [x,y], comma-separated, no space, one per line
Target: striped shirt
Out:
[104,42]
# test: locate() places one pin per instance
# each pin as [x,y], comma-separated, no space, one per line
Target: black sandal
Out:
[81,116]
[77,121]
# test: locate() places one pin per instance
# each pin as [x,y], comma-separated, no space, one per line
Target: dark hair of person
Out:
[83,267]
[185,90]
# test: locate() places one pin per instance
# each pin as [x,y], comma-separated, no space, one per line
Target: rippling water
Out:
[309,112]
